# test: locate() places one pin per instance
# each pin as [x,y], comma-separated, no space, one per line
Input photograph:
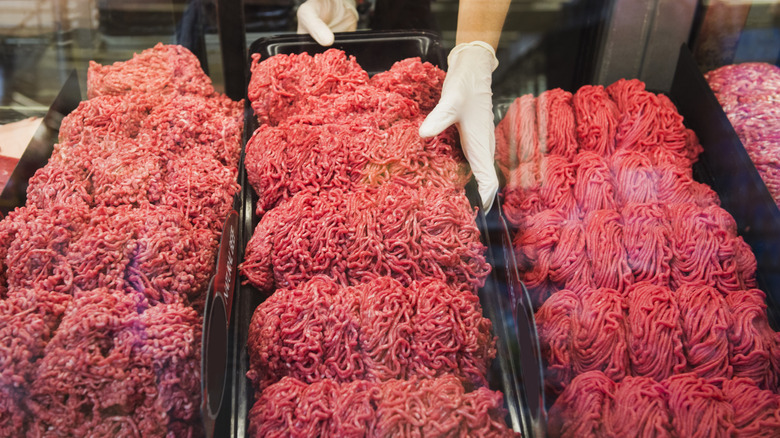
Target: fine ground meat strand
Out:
[705,324]
[579,411]
[748,94]
[751,338]
[646,234]
[653,331]
[278,83]
[599,334]
[706,248]
[554,325]
[756,410]
[638,410]
[597,119]
[698,407]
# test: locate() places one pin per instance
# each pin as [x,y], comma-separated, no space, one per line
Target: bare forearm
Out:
[481,20]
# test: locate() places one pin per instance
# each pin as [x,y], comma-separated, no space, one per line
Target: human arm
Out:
[466,98]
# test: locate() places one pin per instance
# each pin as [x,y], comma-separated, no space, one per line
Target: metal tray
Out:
[517,364]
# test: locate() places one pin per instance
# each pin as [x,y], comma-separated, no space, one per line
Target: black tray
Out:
[726,167]
[376,52]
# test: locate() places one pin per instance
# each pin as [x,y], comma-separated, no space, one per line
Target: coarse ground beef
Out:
[293,157]
[429,407]
[103,272]
[279,85]
[403,232]
[163,69]
[367,237]
[415,80]
[376,331]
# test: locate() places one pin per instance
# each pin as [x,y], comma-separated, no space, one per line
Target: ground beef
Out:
[198,186]
[598,338]
[172,347]
[594,188]
[59,184]
[606,250]
[37,254]
[748,94]
[106,117]
[190,123]
[679,406]
[292,157]
[428,407]
[556,123]
[89,371]
[638,409]
[368,238]
[105,268]
[554,326]
[654,332]
[654,335]
[375,331]
[278,85]
[751,338]
[597,119]
[706,247]
[698,407]
[163,69]
[646,235]
[415,80]
[28,320]
[579,411]
[403,232]
[756,410]
[171,260]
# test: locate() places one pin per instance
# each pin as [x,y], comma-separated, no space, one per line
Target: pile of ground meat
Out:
[106,266]
[633,267]
[371,255]
[682,405]
[435,407]
[384,331]
[748,93]
[654,332]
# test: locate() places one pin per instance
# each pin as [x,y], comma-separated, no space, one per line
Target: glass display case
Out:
[628,272]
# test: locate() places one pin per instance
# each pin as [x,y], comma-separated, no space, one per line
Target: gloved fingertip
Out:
[430,128]
[487,184]
[441,118]
[324,38]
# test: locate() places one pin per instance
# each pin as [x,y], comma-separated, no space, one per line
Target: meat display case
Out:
[545,45]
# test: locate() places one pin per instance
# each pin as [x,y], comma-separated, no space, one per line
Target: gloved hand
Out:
[466,100]
[320,18]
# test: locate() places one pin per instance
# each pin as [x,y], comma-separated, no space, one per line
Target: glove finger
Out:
[310,22]
[478,141]
[442,117]
[347,21]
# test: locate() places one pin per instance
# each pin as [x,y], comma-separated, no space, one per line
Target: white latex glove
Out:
[466,100]
[320,18]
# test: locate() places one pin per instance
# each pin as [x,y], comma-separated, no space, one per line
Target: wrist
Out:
[484,49]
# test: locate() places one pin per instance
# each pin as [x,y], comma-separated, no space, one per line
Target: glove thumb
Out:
[442,117]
